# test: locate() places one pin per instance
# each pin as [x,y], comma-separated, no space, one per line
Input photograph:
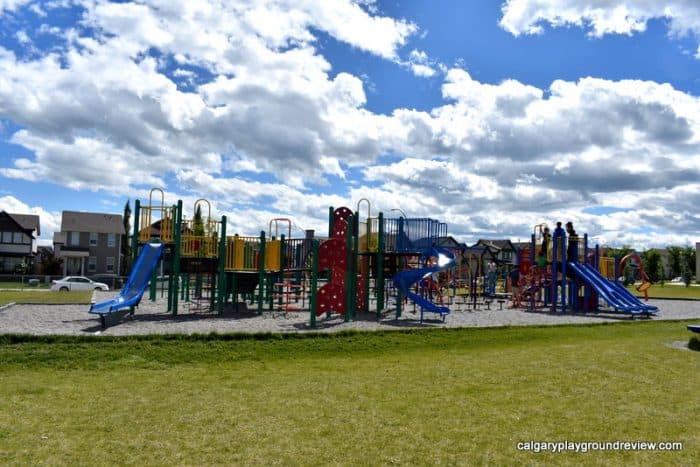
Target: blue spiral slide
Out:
[614,293]
[405,279]
[136,284]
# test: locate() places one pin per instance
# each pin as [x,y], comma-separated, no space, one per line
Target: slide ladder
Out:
[135,286]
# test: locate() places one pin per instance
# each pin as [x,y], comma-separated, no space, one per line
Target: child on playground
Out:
[514,277]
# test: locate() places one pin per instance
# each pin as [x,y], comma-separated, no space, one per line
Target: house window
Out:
[17,237]
[7,237]
[111,240]
[75,238]
[93,238]
[110,264]
[92,263]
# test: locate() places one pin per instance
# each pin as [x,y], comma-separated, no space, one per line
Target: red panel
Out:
[331,298]
[332,254]
[361,295]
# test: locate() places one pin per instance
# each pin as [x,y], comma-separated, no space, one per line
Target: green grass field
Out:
[670,291]
[23,285]
[454,397]
[44,297]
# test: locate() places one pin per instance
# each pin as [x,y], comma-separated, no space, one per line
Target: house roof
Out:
[449,241]
[28,222]
[73,221]
[500,244]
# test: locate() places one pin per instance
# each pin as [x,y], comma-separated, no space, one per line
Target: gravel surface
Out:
[152,318]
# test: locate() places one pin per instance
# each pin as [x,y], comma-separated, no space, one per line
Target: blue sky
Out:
[490,116]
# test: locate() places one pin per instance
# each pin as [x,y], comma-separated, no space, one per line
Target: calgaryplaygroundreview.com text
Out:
[588,446]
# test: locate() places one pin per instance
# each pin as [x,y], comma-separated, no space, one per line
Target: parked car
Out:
[77,283]
[112,280]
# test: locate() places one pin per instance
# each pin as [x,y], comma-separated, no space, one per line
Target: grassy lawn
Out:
[669,291]
[22,285]
[463,396]
[44,297]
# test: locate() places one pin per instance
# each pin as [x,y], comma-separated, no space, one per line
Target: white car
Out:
[77,283]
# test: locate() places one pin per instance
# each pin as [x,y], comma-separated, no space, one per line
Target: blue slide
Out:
[132,291]
[405,279]
[614,293]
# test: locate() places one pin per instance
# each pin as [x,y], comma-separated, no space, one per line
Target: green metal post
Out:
[153,288]
[153,291]
[354,263]
[330,222]
[348,271]
[379,283]
[221,293]
[175,270]
[261,272]
[173,288]
[314,283]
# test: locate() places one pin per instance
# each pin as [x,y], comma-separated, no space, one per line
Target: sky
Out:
[492,116]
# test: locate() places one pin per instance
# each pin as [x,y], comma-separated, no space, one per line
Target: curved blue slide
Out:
[136,284]
[617,296]
[405,279]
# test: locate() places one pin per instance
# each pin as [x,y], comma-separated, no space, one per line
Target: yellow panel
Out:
[145,224]
[166,225]
[272,255]
[198,246]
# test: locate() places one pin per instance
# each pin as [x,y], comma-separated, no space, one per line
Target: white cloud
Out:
[420,64]
[11,5]
[601,16]
[262,98]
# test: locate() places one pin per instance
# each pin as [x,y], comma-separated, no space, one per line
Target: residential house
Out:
[18,246]
[89,243]
[505,251]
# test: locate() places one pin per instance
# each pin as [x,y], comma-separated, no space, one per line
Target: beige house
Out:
[89,243]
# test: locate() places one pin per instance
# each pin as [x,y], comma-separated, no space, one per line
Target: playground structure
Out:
[578,282]
[202,268]
[363,265]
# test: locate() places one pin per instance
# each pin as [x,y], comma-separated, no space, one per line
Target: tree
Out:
[198,223]
[675,254]
[652,265]
[21,268]
[688,264]
[49,264]
[126,243]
